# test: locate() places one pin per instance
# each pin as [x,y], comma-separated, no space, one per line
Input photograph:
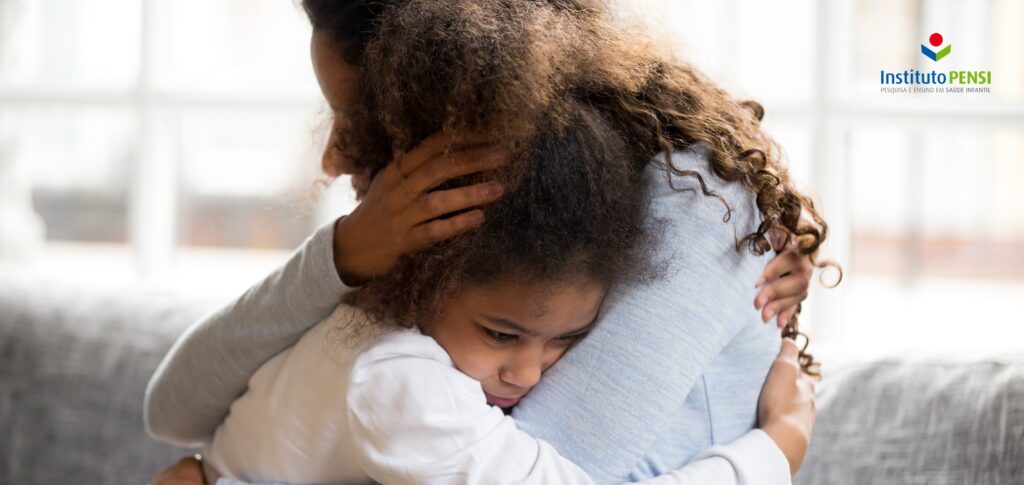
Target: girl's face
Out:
[505,335]
[339,83]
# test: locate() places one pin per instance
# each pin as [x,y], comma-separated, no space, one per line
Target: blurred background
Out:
[174,147]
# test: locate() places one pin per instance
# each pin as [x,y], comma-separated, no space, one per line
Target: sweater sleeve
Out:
[211,363]
[419,420]
[607,400]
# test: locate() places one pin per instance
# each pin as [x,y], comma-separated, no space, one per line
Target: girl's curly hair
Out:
[575,212]
[515,68]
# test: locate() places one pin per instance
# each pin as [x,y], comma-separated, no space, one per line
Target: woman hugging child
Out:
[406,382]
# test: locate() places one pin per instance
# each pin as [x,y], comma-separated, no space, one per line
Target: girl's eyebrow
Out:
[510,325]
[580,331]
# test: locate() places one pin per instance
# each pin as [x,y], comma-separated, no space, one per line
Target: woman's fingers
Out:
[787,286]
[438,230]
[406,163]
[788,261]
[784,284]
[438,203]
[434,145]
[784,316]
[775,307]
[443,167]
[398,214]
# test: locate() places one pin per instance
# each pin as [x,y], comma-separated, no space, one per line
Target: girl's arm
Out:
[210,365]
[419,420]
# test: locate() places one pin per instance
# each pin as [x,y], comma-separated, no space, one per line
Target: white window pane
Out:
[247,178]
[692,27]
[885,37]
[880,173]
[233,46]
[247,153]
[794,136]
[69,43]
[81,163]
[758,50]
[773,50]
[1006,37]
[937,255]
[926,204]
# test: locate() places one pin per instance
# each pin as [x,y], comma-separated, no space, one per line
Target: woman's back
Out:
[675,365]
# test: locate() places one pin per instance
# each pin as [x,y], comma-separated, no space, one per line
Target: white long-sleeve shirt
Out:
[611,405]
[345,407]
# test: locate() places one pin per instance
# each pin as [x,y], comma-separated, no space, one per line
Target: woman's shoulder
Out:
[677,181]
[678,166]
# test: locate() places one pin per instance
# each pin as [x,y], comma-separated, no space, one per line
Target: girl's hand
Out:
[398,214]
[783,284]
[785,410]
[186,471]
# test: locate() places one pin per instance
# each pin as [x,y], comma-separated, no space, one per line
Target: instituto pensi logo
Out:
[935,40]
[930,81]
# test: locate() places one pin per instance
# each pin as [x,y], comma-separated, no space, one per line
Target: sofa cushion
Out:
[919,422]
[74,365]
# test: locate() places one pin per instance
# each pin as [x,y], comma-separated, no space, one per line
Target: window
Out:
[922,193]
[142,138]
[146,139]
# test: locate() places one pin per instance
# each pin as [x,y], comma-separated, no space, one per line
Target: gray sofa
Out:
[74,365]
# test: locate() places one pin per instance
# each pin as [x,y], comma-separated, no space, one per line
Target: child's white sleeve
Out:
[417,419]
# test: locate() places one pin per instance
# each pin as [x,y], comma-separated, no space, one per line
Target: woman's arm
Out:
[419,420]
[210,365]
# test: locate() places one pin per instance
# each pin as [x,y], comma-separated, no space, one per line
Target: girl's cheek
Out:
[482,363]
[553,355]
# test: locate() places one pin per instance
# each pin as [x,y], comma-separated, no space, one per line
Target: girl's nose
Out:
[524,373]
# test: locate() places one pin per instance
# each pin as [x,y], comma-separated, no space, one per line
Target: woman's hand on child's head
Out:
[399,213]
[784,284]
[187,471]
[786,408]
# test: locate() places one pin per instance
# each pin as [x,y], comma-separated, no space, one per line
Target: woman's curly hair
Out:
[515,68]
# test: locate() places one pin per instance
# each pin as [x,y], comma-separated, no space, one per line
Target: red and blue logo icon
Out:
[936,41]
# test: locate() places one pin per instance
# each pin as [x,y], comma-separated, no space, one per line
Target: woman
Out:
[641,420]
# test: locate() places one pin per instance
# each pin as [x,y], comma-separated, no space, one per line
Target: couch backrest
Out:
[919,422]
[74,365]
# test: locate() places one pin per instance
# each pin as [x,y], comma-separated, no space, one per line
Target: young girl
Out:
[398,391]
[499,64]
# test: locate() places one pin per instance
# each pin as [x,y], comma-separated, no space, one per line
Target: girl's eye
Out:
[498,336]
[572,338]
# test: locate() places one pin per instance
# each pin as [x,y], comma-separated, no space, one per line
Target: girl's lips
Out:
[501,402]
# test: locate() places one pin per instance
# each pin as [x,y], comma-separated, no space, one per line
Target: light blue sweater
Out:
[672,368]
